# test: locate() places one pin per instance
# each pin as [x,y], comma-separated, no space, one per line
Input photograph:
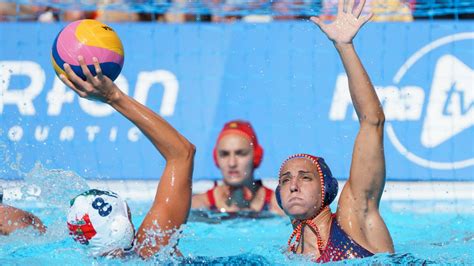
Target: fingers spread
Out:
[340,7]
[71,75]
[71,85]
[84,68]
[366,18]
[318,22]
[349,6]
[359,8]
[98,70]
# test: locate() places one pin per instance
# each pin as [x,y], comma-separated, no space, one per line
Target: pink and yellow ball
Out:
[88,38]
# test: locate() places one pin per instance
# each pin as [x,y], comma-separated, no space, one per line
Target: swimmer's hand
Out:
[347,23]
[98,87]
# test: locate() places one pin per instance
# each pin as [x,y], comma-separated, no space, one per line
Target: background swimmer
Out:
[237,154]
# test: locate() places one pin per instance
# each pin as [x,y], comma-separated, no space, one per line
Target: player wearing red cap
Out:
[237,154]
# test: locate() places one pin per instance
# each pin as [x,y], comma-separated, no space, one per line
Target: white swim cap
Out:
[99,219]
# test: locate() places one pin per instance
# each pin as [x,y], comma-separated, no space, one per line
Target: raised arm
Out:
[359,201]
[173,196]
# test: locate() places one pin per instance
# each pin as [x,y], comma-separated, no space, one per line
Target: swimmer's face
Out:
[235,159]
[300,188]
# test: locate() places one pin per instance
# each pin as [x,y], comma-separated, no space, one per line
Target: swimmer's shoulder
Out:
[200,201]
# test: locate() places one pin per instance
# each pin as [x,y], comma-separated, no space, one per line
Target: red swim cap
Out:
[244,129]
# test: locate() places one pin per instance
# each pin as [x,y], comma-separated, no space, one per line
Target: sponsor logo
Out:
[29,100]
[443,115]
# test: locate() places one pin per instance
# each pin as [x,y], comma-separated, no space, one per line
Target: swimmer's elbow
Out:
[186,152]
[376,119]
[189,151]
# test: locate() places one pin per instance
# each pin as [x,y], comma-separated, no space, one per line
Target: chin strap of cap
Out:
[298,232]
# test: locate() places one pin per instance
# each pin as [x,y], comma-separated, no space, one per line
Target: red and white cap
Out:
[99,219]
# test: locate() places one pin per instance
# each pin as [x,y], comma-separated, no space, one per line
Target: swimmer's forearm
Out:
[173,195]
[12,219]
[364,97]
[164,137]
[367,174]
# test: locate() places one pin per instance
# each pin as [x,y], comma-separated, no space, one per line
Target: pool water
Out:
[423,231]
[443,236]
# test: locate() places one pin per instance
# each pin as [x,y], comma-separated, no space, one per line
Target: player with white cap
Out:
[101,220]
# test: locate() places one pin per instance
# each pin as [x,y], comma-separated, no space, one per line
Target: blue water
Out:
[438,232]
[439,237]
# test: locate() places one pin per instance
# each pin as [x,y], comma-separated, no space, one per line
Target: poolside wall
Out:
[286,78]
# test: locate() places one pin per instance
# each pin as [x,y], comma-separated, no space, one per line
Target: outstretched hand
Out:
[98,87]
[347,23]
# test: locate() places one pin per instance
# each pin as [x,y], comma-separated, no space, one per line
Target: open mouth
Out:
[233,173]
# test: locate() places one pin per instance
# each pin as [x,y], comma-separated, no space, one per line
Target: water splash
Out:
[53,190]
[53,187]
[6,157]
[243,259]
[167,253]
[397,258]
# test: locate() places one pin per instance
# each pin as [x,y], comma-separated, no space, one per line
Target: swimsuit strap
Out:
[268,198]
[268,195]
[266,203]
[211,198]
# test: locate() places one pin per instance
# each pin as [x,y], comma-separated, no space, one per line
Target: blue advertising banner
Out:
[286,78]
